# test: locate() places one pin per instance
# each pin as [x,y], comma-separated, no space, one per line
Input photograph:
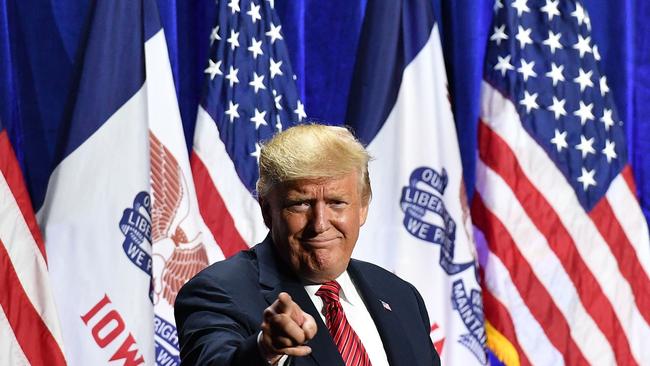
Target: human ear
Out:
[266,211]
[363,213]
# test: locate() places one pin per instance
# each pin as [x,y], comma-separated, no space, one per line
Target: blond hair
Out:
[312,151]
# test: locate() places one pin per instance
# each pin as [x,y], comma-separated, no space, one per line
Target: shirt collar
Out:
[348,291]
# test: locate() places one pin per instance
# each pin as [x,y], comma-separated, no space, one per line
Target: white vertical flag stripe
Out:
[81,223]
[182,244]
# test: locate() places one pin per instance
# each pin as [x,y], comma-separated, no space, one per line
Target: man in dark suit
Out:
[297,298]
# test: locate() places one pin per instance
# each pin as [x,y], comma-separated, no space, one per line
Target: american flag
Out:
[250,94]
[565,252]
[29,327]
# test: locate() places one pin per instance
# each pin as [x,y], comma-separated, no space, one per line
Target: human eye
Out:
[297,205]
[338,203]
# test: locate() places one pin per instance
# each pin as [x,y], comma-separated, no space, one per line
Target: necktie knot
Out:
[329,292]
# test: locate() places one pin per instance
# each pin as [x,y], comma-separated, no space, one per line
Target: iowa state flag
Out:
[418,224]
[120,216]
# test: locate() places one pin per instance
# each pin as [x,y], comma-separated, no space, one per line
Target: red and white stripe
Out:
[29,328]
[583,276]
[228,208]
[517,323]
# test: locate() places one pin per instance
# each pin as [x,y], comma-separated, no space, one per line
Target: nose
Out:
[320,218]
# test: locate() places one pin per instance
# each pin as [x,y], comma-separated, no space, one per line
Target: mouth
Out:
[320,242]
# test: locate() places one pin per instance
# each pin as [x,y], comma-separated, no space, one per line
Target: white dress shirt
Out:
[357,315]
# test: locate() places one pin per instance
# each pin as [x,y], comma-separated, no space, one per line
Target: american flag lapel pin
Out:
[385,305]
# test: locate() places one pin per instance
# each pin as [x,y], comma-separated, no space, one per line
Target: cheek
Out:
[294,223]
[349,224]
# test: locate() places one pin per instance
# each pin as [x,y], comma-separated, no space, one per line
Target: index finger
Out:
[286,305]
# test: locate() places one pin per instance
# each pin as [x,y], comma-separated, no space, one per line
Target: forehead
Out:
[343,185]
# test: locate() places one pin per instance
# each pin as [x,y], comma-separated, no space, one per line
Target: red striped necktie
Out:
[347,341]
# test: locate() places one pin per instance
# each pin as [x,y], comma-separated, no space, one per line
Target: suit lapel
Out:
[391,331]
[276,278]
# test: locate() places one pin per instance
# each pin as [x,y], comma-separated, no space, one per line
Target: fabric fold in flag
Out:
[419,224]
[249,94]
[564,246]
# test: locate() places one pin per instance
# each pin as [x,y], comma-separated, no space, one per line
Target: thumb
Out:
[309,326]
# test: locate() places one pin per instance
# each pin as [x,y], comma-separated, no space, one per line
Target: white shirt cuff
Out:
[272,360]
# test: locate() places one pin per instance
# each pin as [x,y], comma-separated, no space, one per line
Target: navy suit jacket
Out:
[219,312]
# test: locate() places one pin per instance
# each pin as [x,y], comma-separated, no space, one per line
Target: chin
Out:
[327,269]
[319,277]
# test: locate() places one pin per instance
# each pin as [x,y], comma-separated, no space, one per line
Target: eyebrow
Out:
[299,196]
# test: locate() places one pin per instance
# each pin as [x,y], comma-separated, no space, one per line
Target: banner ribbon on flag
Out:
[167,332]
[416,203]
[470,309]
[136,227]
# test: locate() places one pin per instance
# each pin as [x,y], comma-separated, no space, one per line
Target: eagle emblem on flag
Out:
[186,255]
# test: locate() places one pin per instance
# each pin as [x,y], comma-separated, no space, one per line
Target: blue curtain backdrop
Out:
[41,41]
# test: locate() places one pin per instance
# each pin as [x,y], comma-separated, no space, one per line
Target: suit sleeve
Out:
[435,358]
[212,329]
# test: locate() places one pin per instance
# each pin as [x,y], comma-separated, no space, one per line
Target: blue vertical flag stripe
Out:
[388,26]
[114,70]
[35,99]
